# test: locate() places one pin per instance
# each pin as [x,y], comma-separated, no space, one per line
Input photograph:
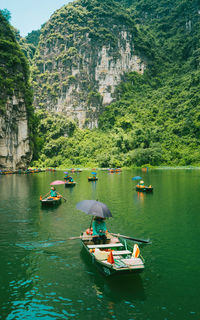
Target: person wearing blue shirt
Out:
[99,230]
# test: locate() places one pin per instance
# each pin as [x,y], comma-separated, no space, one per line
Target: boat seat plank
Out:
[109,245]
[121,252]
[133,262]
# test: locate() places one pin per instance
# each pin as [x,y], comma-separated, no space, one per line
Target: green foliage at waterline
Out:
[146,126]
[61,143]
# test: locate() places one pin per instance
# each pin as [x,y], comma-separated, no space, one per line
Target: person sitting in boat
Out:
[141,184]
[70,179]
[53,192]
[99,230]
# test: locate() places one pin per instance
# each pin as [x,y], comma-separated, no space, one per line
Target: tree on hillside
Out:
[6,13]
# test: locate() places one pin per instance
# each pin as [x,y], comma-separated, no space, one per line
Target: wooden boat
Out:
[70,184]
[144,188]
[122,261]
[51,201]
[113,170]
[92,178]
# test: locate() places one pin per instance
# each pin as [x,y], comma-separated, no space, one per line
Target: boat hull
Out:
[144,189]
[108,269]
[50,202]
[92,179]
[70,184]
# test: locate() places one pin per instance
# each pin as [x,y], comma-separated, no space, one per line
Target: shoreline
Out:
[147,168]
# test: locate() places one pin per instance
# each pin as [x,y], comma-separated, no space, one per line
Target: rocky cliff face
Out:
[84,51]
[14,102]
[14,135]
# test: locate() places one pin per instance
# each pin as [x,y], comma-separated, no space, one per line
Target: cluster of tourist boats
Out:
[20,171]
[114,170]
[115,255]
[69,183]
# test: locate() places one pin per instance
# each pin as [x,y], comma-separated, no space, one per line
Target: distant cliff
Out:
[15,101]
[84,51]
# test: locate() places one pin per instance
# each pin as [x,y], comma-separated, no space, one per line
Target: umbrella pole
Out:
[91,222]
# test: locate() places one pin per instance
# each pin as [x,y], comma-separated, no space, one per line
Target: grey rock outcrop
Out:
[14,136]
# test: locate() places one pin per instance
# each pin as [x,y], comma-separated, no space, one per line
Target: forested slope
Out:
[156,116]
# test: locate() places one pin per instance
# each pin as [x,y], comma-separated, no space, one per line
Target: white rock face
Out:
[14,138]
[108,72]
[100,69]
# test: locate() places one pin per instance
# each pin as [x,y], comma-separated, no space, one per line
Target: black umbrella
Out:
[94,208]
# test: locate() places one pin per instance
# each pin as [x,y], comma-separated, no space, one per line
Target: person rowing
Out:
[53,192]
[99,230]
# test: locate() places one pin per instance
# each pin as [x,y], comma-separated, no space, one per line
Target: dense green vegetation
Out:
[156,117]
[29,43]
[14,71]
[146,126]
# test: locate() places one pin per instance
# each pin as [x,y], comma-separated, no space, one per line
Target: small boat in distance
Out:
[70,184]
[114,170]
[142,188]
[50,201]
[94,178]
[114,257]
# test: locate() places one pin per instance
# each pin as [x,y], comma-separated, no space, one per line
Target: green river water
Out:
[44,276]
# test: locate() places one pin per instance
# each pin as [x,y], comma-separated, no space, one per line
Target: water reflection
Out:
[51,207]
[44,277]
[94,187]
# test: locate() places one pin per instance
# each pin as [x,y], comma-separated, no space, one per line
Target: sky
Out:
[29,15]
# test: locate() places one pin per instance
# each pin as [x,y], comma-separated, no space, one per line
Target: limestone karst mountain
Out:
[84,51]
[154,117]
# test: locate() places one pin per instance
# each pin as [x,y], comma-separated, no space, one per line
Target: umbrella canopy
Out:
[57,182]
[136,178]
[94,208]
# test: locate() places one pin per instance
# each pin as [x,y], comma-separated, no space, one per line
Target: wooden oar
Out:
[116,235]
[130,238]
[80,237]
[45,195]
[73,238]
[61,196]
